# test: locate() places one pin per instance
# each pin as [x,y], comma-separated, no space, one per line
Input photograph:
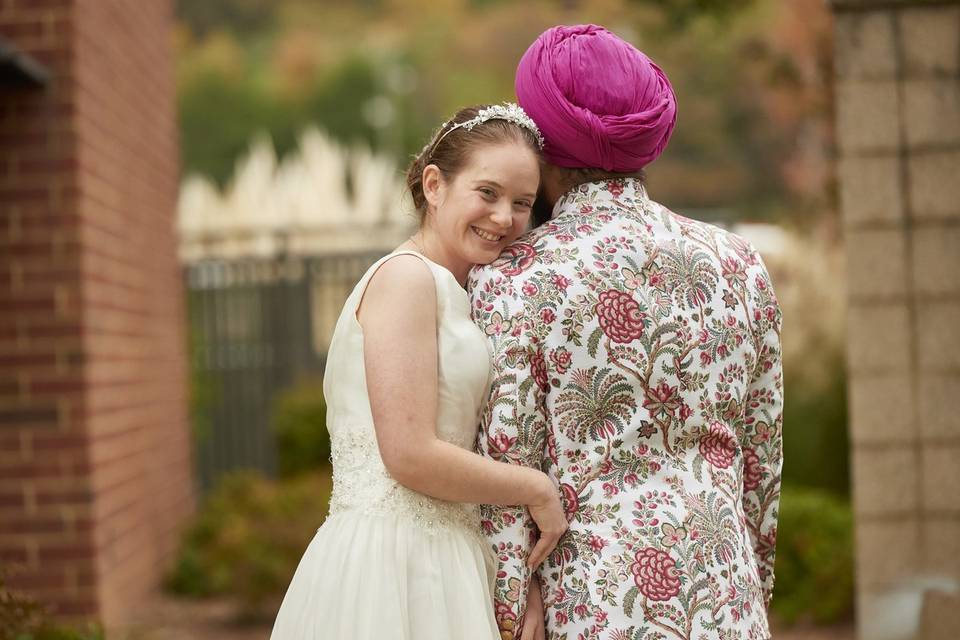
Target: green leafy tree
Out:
[240,16]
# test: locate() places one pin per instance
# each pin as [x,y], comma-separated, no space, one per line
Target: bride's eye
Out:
[487,193]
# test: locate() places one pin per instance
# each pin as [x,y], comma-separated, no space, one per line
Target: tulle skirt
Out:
[382,577]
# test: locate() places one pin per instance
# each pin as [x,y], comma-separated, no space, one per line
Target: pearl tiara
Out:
[509,111]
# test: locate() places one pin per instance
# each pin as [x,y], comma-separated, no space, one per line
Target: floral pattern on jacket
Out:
[636,360]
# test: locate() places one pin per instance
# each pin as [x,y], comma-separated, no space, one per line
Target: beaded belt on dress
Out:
[361,483]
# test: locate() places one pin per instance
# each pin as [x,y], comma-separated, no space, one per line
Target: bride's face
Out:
[478,212]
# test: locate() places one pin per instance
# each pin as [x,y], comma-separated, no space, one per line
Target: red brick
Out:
[88,181]
[31,470]
[12,556]
[20,30]
[35,580]
[33,525]
[56,553]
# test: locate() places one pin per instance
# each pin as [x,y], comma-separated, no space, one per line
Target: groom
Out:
[636,359]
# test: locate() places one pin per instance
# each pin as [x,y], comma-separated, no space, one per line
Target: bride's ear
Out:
[432,182]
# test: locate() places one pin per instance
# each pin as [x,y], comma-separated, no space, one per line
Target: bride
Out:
[401,554]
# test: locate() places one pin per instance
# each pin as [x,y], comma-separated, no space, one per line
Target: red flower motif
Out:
[561,359]
[734,271]
[547,315]
[562,282]
[529,289]
[662,399]
[752,471]
[620,316]
[516,259]
[615,187]
[506,618]
[501,442]
[655,574]
[718,446]
[597,543]
[538,367]
[552,447]
[571,502]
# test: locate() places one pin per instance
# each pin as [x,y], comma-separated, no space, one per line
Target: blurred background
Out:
[194,187]
[325,110]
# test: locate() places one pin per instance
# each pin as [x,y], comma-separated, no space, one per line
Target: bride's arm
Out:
[399,319]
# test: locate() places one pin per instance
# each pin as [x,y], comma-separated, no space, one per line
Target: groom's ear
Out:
[432,182]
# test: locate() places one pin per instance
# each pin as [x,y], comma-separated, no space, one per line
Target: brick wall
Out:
[94,441]
[898,123]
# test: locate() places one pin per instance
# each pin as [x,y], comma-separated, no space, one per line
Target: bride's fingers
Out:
[542,549]
[538,553]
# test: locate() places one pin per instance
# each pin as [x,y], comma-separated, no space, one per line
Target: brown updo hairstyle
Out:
[451,152]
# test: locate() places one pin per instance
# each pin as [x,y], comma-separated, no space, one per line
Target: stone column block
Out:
[932,110]
[864,46]
[876,263]
[936,260]
[941,478]
[881,409]
[934,185]
[931,40]
[940,619]
[941,546]
[886,552]
[938,336]
[884,480]
[867,116]
[870,190]
[878,338]
[938,397]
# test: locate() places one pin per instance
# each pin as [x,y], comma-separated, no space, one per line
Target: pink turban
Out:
[599,102]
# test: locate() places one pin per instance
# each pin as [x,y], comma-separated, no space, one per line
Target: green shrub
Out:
[62,633]
[23,618]
[814,567]
[248,538]
[300,422]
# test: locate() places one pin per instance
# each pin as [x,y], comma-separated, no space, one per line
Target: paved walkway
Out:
[175,619]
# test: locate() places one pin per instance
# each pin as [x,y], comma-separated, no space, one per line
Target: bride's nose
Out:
[501,215]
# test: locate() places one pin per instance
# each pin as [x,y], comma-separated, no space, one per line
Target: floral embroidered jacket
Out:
[636,360]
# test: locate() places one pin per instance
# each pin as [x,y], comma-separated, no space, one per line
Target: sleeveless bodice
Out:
[361,482]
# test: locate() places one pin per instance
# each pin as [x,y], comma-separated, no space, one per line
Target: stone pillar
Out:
[898,128]
[95,479]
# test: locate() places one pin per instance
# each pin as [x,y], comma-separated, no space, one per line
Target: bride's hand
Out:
[533,617]
[548,513]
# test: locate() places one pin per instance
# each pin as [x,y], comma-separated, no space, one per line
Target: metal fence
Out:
[256,328]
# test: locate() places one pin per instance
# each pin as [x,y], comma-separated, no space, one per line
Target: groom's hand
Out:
[533,617]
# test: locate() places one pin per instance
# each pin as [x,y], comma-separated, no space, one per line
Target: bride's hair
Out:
[450,147]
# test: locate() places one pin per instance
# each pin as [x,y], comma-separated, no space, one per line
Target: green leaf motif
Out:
[629,599]
[594,342]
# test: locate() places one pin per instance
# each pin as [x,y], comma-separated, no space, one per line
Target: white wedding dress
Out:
[390,563]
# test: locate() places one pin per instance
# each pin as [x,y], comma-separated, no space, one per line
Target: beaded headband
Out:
[509,111]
